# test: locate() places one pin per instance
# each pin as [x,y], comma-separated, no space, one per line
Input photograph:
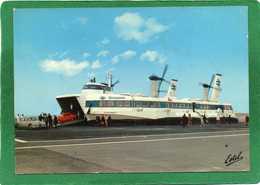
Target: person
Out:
[189,120]
[40,117]
[106,121]
[109,120]
[247,120]
[103,121]
[18,118]
[184,120]
[205,121]
[50,120]
[22,117]
[45,118]
[229,119]
[55,121]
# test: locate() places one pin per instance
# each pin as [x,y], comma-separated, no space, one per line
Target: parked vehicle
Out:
[66,117]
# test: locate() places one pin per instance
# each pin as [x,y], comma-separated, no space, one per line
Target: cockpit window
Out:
[97,87]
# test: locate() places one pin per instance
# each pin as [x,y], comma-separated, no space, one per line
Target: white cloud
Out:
[82,20]
[86,54]
[127,55]
[103,53]
[96,64]
[153,56]
[132,26]
[66,67]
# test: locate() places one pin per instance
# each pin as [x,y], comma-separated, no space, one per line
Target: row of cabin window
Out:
[150,104]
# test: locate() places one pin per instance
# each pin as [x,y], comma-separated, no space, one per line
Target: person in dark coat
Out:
[184,120]
[45,118]
[205,119]
[50,121]
[109,120]
[55,121]
[40,117]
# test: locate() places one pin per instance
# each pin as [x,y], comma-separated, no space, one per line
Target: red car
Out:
[67,117]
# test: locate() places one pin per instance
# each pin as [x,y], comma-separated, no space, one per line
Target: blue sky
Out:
[57,50]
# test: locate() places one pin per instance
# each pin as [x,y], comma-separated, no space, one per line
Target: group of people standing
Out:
[187,120]
[20,117]
[104,121]
[51,121]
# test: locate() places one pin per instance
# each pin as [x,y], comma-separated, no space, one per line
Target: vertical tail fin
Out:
[216,87]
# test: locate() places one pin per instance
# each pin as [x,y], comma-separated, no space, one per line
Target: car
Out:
[67,117]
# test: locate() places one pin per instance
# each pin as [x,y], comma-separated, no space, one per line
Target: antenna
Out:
[110,83]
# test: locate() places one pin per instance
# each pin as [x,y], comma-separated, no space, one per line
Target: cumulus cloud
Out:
[103,53]
[66,67]
[127,55]
[132,26]
[96,64]
[153,56]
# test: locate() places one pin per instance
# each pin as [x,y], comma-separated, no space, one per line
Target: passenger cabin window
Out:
[96,87]
[154,104]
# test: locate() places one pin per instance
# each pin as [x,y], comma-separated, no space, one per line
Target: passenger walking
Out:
[203,121]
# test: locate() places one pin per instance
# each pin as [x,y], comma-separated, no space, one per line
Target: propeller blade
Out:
[115,83]
[211,81]
[164,71]
[204,85]
[162,78]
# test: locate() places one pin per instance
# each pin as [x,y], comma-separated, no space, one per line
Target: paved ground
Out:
[131,149]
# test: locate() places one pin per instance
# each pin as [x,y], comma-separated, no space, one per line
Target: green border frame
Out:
[7,162]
